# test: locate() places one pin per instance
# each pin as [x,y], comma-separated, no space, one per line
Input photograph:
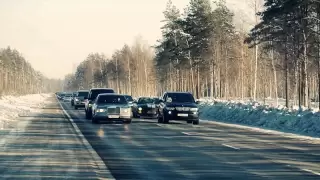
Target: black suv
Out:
[178,106]
[93,93]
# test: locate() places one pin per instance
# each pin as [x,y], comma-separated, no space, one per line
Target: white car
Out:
[67,98]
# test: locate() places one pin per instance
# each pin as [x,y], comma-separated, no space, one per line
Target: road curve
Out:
[148,150]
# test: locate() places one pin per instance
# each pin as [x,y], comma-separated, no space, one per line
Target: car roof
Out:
[106,94]
[177,92]
[83,91]
[101,89]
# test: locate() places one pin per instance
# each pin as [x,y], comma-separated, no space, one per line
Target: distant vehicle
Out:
[111,107]
[61,95]
[145,107]
[73,96]
[67,97]
[79,98]
[93,93]
[129,99]
[178,106]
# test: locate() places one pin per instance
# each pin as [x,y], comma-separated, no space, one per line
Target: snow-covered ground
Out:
[267,116]
[12,106]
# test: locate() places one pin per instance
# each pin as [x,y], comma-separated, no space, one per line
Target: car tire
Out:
[75,107]
[189,121]
[87,115]
[127,121]
[165,119]
[159,119]
[94,121]
[196,122]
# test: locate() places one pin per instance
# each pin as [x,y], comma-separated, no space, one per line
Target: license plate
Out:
[113,116]
[183,115]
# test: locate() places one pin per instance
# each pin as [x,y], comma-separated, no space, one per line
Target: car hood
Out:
[80,97]
[192,105]
[105,106]
[146,105]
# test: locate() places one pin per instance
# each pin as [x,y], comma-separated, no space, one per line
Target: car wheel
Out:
[196,122]
[189,122]
[165,119]
[87,115]
[75,107]
[159,119]
[127,121]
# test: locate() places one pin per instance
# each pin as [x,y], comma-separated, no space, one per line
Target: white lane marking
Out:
[310,171]
[230,146]
[186,133]
[159,125]
[101,165]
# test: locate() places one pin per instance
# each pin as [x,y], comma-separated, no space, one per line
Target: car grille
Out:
[114,110]
[183,108]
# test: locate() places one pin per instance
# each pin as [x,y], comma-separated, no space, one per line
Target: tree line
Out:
[17,77]
[203,52]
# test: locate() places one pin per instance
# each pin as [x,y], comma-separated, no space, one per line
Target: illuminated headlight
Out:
[170,108]
[101,110]
[76,99]
[90,105]
[194,109]
[126,111]
[140,109]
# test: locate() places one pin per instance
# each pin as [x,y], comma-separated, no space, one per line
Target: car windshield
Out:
[180,98]
[129,98]
[83,94]
[112,99]
[95,93]
[146,100]
[156,100]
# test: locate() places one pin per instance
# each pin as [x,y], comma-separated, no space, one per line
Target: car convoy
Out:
[105,105]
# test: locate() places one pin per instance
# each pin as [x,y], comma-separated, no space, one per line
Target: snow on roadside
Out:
[13,106]
[304,122]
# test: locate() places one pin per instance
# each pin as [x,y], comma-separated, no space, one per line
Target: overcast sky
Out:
[54,35]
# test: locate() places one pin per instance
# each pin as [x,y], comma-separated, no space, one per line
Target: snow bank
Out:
[304,122]
[12,106]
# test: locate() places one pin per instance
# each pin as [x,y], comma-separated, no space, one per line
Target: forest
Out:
[18,77]
[202,51]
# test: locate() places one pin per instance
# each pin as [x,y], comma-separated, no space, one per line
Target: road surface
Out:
[48,145]
[148,150]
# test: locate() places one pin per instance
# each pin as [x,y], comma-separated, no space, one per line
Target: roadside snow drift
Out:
[11,107]
[304,122]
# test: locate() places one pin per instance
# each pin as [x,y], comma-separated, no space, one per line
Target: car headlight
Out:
[90,105]
[125,111]
[140,108]
[170,108]
[193,109]
[101,110]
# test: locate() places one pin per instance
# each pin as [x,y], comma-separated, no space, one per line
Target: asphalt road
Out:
[148,150]
[46,146]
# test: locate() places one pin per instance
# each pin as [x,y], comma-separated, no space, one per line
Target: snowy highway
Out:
[50,144]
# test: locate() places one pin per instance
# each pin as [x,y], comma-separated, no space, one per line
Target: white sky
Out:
[55,35]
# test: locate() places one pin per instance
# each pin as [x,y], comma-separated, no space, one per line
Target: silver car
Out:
[67,97]
[111,107]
